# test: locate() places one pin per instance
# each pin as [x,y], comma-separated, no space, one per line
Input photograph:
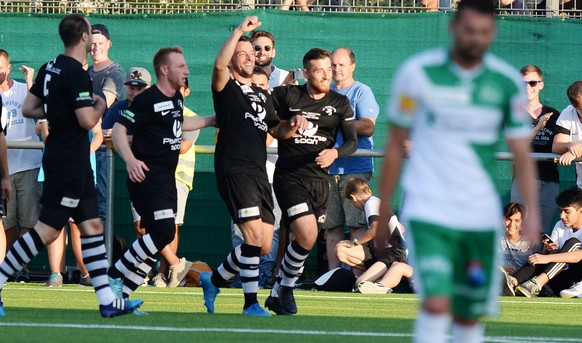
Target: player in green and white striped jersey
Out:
[455,104]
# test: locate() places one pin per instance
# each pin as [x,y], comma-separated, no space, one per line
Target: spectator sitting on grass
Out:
[386,260]
[562,250]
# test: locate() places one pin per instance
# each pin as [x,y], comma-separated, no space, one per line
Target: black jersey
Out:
[542,142]
[156,122]
[243,115]
[326,116]
[63,86]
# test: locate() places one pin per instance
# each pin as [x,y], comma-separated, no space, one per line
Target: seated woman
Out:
[386,261]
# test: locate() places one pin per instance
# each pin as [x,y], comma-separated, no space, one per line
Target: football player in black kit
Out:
[62,93]
[155,117]
[244,115]
[300,180]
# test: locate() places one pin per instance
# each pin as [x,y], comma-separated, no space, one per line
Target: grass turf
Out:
[36,313]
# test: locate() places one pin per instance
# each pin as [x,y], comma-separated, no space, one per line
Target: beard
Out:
[319,88]
[471,53]
[264,63]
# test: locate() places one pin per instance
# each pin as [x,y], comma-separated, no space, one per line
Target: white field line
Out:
[302,294]
[493,339]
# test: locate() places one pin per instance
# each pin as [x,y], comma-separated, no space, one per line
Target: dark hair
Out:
[513,208]
[260,71]
[574,92]
[4,53]
[355,185]
[481,6]
[570,197]
[531,68]
[161,57]
[245,39]
[258,34]
[71,29]
[350,53]
[315,54]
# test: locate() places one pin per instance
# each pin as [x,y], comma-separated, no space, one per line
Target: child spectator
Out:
[387,259]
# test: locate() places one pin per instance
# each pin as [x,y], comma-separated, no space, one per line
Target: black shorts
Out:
[299,197]
[67,195]
[247,197]
[156,206]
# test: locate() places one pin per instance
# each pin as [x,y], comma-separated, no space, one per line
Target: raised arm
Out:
[220,73]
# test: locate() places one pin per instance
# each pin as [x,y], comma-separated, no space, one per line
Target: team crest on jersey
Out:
[180,103]
[263,97]
[330,110]
[259,109]
[490,94]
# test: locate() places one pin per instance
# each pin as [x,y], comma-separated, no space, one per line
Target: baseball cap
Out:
[137,76]
[100,29]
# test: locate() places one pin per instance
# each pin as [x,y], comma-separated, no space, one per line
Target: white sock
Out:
[431,328]
[468,333]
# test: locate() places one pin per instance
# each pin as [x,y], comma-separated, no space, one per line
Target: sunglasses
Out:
[532,83]
[266,47]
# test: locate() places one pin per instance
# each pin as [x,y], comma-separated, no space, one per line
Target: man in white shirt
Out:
[264,46]
[23,164]
[568,139]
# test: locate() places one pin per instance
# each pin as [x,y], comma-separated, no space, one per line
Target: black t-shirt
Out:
[542,142]
[63,86]
[156,122]
[243,115]
[326,116]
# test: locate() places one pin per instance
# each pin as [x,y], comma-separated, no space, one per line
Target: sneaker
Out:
[23,276]
[509,283]
[368,287]
[287,301]
[85,280]
[116,286]
[119,307]
[210,291]
[146,281]
[273,304]
[159,280]
[55,280]
[530,289]
[574,291]
[255,310]
[178,272]
[2,312]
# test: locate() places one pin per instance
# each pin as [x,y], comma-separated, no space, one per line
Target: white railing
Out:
[549,8]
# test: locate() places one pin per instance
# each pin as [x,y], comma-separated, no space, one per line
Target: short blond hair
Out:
[356,185]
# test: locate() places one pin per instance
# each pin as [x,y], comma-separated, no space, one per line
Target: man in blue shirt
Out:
[340,211]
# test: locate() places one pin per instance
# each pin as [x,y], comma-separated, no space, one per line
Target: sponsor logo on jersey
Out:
[261,112]
[406,104]
[308,136]
[165,112]
[177,128]
[291,109]
[127,114]
[84,96]
[330,110]
[164,105]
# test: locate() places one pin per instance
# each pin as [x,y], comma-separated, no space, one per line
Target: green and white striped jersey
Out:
[456,118]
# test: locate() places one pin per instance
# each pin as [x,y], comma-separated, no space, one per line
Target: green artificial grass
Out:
[35,313]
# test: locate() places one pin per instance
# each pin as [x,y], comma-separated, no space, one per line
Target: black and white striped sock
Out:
[95,259]
[249,272]
[133,280]
[22,251]
[292,264]
[228,268]
[140,251]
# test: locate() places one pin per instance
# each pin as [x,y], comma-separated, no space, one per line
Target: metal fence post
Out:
[110,158]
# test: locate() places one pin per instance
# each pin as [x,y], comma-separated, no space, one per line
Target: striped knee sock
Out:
[135,279]
[228,268]
[292,264]
[23,250]
[249,272]
[140,251]
[95,259]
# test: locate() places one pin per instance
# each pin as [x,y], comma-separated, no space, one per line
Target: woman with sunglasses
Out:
[543,119]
